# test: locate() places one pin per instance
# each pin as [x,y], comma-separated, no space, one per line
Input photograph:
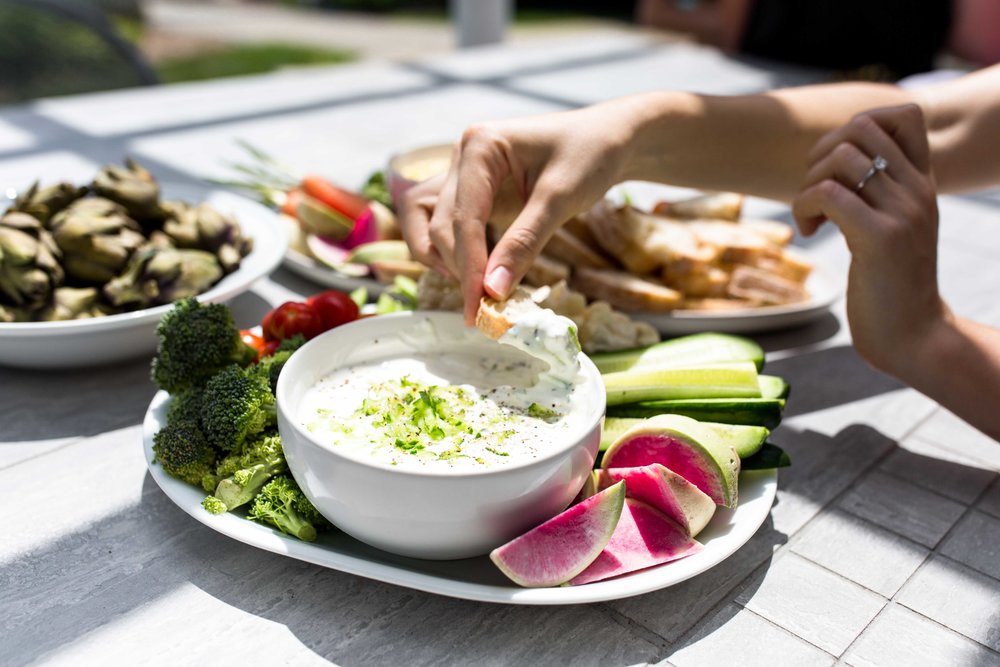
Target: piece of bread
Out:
[755,284]
[546,271]
[494,317]
[777,232]
[386,270]
[716,304]
[437,292]
[734,243]
[708,281]
[573,251]
[787,264]
[625,291]
[675,243]
[719,205]
[622,233]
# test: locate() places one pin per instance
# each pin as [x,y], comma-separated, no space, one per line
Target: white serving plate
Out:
[319,273]
[823,293]
[472,578]
[89,342]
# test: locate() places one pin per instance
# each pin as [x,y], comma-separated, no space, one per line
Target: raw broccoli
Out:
[243,474]
[282,504]
[182,450]
[197,341]
[270,366]
[186,406]
[237,406]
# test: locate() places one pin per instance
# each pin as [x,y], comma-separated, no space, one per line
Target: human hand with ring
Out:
[872,178]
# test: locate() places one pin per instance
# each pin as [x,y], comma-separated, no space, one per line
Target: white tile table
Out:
[881,549]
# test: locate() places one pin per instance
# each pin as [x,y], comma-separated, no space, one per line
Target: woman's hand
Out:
[890,223]
[541,171]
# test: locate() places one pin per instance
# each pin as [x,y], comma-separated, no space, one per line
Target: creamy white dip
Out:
[465,407]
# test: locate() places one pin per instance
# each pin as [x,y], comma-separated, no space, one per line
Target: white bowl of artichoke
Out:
[86,271]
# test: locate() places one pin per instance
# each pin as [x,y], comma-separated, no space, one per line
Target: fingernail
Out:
[499,282]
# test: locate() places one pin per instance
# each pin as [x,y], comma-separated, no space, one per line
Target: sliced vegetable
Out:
[253,340]
[318,218]
[693,350]
[745,439]
[348,204]
[738,379]
[772,386]
[756,411]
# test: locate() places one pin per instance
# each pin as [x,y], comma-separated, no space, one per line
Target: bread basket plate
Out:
[102,340]
[470,578]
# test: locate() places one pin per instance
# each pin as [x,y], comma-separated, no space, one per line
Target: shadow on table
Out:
[146,555]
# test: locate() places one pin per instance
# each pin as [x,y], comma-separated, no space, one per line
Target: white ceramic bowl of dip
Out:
[435,513]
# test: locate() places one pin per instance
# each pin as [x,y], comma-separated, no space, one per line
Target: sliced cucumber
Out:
[772,386]
[693,350]
[738,379]
[754,411]
[747,440]
[769,456]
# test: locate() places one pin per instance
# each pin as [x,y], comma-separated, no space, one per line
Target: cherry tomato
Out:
[251,339]
[334,308]
[290,318]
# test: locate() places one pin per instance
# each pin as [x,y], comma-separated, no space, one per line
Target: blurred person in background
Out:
[888,38]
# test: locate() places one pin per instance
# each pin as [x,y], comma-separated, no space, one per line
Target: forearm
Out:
[959,367]
[756,144]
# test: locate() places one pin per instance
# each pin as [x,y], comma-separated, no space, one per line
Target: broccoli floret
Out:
[195,342]
[186,406]
[282,504]
[214,505]
[182,450]
[244,474]
[270,366]
[237,406]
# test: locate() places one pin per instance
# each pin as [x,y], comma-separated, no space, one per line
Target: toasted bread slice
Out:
[709,281]
[734,243]
[437,292]
[719,205]
[573,251]
[603,328]
[546,271]
[622,233]
[675,243]
[386,270]
[750,282]
[626,291]
[777,232]
[787,264]
[494,317]
[716,304]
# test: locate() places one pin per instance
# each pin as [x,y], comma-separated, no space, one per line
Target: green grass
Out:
[238,60]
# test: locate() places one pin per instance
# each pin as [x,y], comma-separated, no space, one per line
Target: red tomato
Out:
[334,308]
[251,339]
[348,203]
[290,318]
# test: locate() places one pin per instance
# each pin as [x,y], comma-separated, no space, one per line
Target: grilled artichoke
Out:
[96,238]
[43,203]
[203,227]
[134,188]
[158,274]
[73,303]
[29,261]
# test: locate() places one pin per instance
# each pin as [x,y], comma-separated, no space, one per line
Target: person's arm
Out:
[560,164]
[899,323]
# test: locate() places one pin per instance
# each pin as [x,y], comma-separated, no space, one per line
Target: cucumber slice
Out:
[754,411]
[770,456]
[731,380]
[772,386]
[746,440]
[693,350]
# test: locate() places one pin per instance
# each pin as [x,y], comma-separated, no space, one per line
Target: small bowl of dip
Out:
[408,168]
[423,437]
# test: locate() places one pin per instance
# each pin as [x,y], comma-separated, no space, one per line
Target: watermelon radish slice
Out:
[562,547]
[665,490]
[684,446]
[644,537]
